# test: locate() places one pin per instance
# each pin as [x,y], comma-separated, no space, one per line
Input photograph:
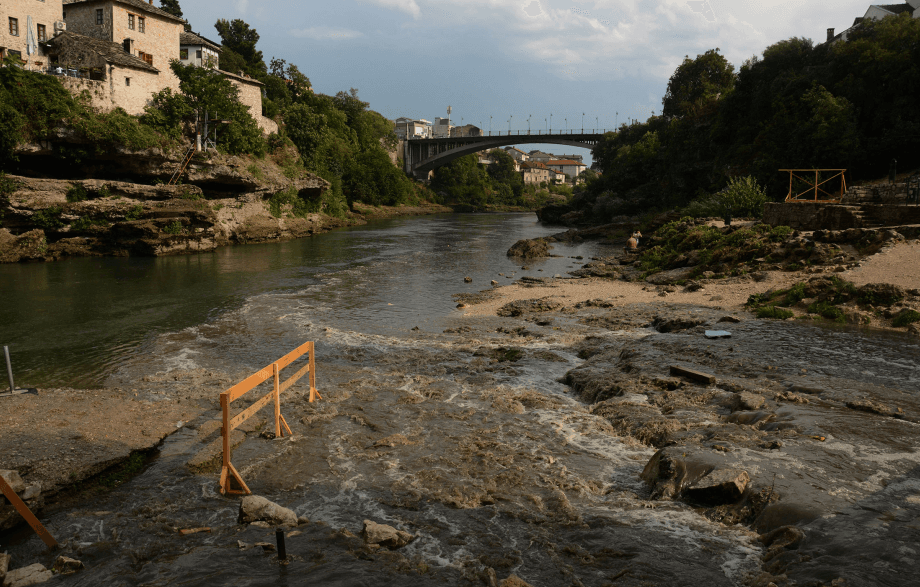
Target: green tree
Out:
[240,38]
[172,7]
[696,81]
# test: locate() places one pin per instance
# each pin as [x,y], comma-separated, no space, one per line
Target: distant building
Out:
[536,173]
[441,128]
[540,156]
[467,130]
[572,169]
[578,158]
[518,155]
[877,12]
[409,128]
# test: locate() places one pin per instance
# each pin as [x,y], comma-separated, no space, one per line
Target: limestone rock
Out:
[529,249]
[720,486]
[67,566]
[520,307]
[4,564]
[255,508]
[676,323]
[671,276]
[729,319]
[13,479]
[748,402]
[385,535]
[31,575]
[514,581]
[468,279]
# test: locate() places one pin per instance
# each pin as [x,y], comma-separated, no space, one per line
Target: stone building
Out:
[25,25]
[571,169]
[196,50]
[412,129]
[517,154]
[467,130]
[535,172]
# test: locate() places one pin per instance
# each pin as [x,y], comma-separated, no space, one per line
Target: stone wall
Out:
[818,216]
[115,91]
[888,193]
[44,12]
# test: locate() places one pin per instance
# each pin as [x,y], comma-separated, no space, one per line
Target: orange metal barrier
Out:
[814,187]
[228,472]
[27,514]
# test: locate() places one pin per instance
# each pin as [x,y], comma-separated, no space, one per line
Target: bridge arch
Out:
[424,155]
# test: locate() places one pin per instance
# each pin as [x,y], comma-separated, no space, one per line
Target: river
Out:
[424,424]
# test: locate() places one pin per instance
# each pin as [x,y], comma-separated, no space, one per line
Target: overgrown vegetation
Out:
[174,227]
[684,243]
[845,105]
[833,298]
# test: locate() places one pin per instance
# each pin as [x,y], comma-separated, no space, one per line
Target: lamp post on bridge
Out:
[490,126]
[582,123]
[566,126]
[597,123]
[510,116]
[528,123]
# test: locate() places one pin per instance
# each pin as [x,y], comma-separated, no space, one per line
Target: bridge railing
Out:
[522,133]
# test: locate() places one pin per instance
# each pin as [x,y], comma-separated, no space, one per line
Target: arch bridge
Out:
[421,156]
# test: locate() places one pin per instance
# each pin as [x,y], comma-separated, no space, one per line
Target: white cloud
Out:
[242,5]
[408,6]
[325,33]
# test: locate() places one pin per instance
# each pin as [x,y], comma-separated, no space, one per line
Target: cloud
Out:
[407,6]
[325,33]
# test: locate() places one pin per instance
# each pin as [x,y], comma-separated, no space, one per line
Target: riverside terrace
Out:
[421,156]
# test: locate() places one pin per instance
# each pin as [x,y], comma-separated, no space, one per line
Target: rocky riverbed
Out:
[578,431]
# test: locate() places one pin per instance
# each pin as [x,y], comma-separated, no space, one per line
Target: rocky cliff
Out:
[224,200]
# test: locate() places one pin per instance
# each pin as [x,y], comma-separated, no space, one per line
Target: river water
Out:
[492,464]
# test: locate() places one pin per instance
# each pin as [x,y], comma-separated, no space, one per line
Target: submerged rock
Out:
[255,508]
[67,566]
[31,575]
[719,486]
[385,535]
[519,307]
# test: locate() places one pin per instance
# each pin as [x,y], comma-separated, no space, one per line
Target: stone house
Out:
[572,169]
[196,50]
[26,24]
[535,172]
[467,130]
[877,12]
[517,154]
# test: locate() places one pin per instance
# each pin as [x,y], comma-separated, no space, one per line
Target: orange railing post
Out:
[27,514]
[816,185]
[228,472]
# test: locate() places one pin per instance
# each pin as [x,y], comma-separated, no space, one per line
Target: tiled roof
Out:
[242,78]
[139,4]
[896,8]
[563,162]
[533,165]
[107,50]
[189,38]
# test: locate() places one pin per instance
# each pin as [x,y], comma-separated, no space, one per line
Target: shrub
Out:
[134,213]
[76,193]
[906,317]
[774,312]
[174,227]
[826,310]
[49,218]
[742,197]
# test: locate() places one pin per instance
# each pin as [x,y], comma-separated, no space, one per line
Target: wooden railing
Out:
[815,187]
[228,472]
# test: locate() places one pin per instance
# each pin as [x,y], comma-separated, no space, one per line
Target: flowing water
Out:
[492,464]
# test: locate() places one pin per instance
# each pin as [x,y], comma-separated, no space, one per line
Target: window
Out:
[183,54]
[40,29]
[131,22]
[198,54]
[147,57]
[98,16]
[141,24]
[14,27]
[127,81]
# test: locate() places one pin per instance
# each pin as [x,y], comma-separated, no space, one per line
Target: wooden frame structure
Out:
[228,472]
[27,514]
[815,187]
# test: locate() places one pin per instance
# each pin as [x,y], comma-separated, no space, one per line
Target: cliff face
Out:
[226,201]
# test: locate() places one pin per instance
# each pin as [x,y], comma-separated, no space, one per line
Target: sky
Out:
[540,64]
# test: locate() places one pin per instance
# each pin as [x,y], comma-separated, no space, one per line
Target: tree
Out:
[172,7]
[240,38]
[696,81]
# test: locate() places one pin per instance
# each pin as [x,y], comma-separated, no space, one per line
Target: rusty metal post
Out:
[279,539]
[277,392]
[312,372]
[225,433]
[27,514]
[9,368]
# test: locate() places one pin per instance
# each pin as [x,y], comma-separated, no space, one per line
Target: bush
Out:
[76,193]
[773,312]
[906,317]
[49,218]
[742,197]
[827,310]
[134,213]
[174,227]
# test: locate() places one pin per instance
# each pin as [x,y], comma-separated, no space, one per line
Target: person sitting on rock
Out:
[633,243]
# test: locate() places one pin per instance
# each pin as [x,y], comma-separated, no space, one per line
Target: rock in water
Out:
[4,565]
[385,535]
[67,566]
[720,486]
[31,575]
[529,249]
[255,508]
[747,402]
[468,280]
